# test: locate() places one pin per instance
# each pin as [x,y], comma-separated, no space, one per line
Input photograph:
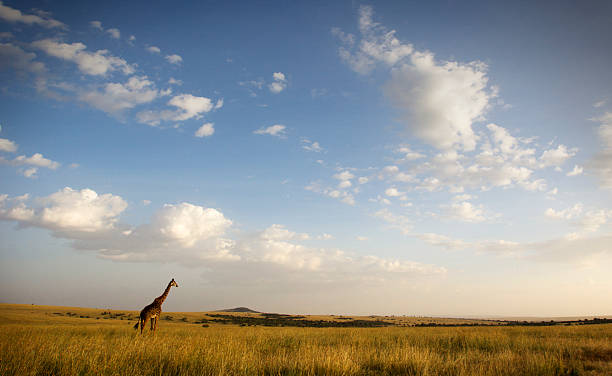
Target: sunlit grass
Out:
[34,343]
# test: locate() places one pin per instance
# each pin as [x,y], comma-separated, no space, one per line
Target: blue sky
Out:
[394,158]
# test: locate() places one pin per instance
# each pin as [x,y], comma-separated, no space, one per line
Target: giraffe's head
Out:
[173,283]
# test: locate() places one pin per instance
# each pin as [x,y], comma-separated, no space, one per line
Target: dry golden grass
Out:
[38,341]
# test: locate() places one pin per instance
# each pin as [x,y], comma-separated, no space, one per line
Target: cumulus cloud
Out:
[601,163]
[500,160]
[7,145]
[205,130]
[466,211]
[154,49]
[16,16]
[393,192]
[115,33]
[187,107]
[333,192]
[116,97]
[556,157]
[377,44]
[197,236]
[397,221]
[67,211]
[30,172]
[16,58]
[600,103]
[36,159]
[91,63]
[440,99]
[408,154]
[286,252]
[583,221]
[279,84]
[174,59]
[96,25]
[576,171]
[277,130]
[187,224]
[311,145]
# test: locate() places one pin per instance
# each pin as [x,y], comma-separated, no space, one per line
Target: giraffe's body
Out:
[153,311]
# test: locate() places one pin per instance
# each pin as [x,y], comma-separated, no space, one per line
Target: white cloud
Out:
[441,100]
[30,172]
[467,212]
[116,97]
[409,155]
[96,63]
[311,145]
[96,25]
[188,107]
[14,57]
[173,81]
[218,104]
[594,219]
[345,38]
[15,16]
[154,49]
[576,171]
[501,160]
[7,145]
[188,224]
[205,130]
[363,180]
[36,159]
[68,210]
[174,59]
[377,44]
[194,236]
[344,175]
[600,103]
[585,223]
[191,106]
[361,238]
[277,130]
[115,33]
[342,195]
[601,163]
[565,213]
[325,236]
[279,84]
[393,192]
[556,157]
[345,184]
[398,221]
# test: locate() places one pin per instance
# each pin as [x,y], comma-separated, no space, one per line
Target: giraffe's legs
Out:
[143,322]
[155,328]
[153,322]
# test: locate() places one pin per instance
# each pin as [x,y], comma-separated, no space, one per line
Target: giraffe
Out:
[153,310]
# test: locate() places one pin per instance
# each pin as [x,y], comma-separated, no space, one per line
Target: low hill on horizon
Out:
[238,309]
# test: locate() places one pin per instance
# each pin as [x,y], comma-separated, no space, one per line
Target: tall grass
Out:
[106,347]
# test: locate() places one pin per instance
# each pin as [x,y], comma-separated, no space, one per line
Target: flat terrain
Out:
[45,340]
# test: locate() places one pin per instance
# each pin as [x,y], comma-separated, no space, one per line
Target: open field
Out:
[42,340]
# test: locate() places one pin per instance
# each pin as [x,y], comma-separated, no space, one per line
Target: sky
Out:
[410,158]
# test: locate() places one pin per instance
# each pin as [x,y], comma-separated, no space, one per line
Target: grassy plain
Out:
[43,340]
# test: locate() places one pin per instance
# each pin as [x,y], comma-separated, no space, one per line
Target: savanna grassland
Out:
[44,340]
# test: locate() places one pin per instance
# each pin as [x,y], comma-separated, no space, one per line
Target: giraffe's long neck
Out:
[163,296]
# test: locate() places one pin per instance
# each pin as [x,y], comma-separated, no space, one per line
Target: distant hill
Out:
[238,309]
